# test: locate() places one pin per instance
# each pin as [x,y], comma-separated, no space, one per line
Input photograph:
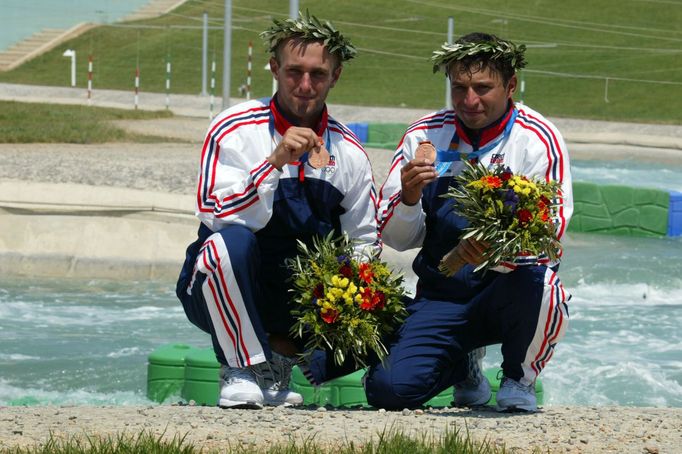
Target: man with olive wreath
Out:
[273,171]
[522,304]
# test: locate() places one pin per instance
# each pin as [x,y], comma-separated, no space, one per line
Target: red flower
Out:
[372,300]
[379,300]
[329,315]
[544,215]
[506,175]
[525,216]
[365,272]
[492,181]
[366,304]
[346,271]
[318,291]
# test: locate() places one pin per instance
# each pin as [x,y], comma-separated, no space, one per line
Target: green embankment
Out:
[600,59]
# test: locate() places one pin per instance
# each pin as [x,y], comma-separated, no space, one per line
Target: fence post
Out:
[90,80]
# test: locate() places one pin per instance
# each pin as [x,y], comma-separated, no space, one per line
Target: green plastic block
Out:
[202,373]
[654,219]
[587,192]
[628,217]
[592,210]
[658,197]
[166,371]
[347,391]
[385,133]
[618,198]
[589,224]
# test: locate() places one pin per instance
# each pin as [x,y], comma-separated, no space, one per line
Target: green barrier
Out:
[620,210]
[202,377]
[348,391]
[166,371]
[384,135]
[193,374]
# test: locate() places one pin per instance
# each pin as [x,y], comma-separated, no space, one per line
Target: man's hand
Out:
[413,177]
[471,251]
[295,142]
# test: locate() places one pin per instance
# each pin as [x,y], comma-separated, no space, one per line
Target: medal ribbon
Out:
[304,158]
[445,158]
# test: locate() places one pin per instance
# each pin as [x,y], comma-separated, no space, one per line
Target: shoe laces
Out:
[511,383]
[275,374]
[237,374]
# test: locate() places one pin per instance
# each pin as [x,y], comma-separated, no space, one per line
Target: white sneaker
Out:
[515,396]
[472,393]
[273,378]
[475,390]
[239,388]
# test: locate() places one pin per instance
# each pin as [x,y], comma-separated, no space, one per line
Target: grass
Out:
[52,123]
[574,46]
[389,442]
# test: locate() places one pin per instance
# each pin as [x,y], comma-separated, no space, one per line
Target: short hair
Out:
[478,51]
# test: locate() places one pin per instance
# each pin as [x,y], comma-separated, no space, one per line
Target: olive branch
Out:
[498,49]
[309,28]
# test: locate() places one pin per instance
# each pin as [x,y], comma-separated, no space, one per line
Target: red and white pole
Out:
[137,86]
[168,81]
[212,98]
[248,72]
[90,80]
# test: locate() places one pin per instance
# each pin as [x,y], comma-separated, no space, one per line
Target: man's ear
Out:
[274,68]
[335,75]
[511,86]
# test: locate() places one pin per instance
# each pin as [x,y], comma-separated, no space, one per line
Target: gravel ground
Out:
[171,167]
[553,429]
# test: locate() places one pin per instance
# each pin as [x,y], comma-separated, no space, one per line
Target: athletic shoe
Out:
[239,388]
[470,393]
[475,390]
[273,378]
[514,396]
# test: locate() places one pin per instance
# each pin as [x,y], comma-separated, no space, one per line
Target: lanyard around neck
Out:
[304,157]
[444,158]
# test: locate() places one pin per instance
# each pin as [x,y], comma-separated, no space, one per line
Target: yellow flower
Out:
[351,288]
[341,282]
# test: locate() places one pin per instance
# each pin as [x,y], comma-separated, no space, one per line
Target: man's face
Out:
[479,97]
[305,74]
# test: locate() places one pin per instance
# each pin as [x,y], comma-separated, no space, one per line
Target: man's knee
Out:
[240,243]
[385,390]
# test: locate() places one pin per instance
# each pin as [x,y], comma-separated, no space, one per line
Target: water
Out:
[629,173]
[87,342]
[20,19]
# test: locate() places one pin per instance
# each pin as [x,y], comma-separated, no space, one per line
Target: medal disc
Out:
[426,150]
[318,159]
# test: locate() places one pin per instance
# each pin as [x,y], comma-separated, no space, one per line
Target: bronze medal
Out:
[426,150]
[319,158]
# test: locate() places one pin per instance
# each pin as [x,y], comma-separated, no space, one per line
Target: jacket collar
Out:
[481,137]
[282,123]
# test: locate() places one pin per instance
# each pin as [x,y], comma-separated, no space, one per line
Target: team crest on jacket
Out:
[497,158]
[331,165]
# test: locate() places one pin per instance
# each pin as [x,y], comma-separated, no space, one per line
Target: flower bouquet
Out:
[510,213]
[342,303]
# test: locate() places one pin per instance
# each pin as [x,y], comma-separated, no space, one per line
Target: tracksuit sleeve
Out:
[401,226]
[551,163]
[236,183]
[360,218]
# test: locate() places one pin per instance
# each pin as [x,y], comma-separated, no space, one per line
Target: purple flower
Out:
[343,259]
[511,200]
